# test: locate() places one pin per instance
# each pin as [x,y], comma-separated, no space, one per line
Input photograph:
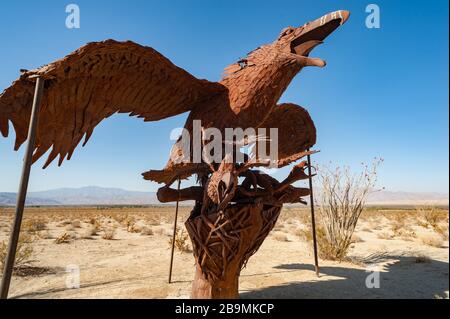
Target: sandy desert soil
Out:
[411,255]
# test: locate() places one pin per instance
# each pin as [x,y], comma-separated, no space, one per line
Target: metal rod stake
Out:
[15,232]
[313,218]
[174,235]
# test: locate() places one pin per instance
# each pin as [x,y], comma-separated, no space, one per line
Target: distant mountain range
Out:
[93,195]
[90,195]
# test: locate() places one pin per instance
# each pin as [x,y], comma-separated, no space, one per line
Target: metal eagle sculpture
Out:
[230,219]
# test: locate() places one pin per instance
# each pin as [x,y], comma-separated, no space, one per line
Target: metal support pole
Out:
[174,235]
[15,232]
[313,218]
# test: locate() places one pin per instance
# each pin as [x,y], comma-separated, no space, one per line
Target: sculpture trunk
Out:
[226,288]
[223,242]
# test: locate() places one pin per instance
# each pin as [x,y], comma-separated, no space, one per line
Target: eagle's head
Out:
[291,48]
[302,40]
[256,82]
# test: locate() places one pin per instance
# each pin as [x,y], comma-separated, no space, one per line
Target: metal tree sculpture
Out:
[230,220]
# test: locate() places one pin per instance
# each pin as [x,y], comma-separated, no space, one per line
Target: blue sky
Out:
[383,93]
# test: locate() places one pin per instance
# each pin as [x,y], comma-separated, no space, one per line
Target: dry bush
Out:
[366,229]
[155,221]
[128,221]
[421,223]
[34,225]
[280,236]
[304,218]
[92,230]
[299,232]
[432,216]
[109,233]
[399,228]
[385,235]
[356,239]
[341,204]
[64,223]
[160,231]
[24,251]
[120,218]
[64,238]
[290,221]
[325,249]
[44,234]
[76,224]
[407,234]
[146,231]
[181,240]
[431,240]
[398,222]
[442,230]
[375,224]
[134,228]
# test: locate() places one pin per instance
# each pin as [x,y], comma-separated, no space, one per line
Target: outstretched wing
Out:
[92,83]
[296,132]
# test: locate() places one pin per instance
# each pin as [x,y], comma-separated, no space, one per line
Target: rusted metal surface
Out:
[102,78]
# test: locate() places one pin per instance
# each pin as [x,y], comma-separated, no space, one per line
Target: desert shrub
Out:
[34,225]
[407,234]
[146,231]
[24,251]
[431,240]
[279,236]
[181,240]
[64,238]
[399,227]
[356,239]
[155,221]
[128,221]
[44,234]
[64,223]
[109,233]
[76,224]
[341,203]
[160,231]
[134,228]
[92,230]
[385,235]
[120,218]
[442,230]
[432,217]
[325,249]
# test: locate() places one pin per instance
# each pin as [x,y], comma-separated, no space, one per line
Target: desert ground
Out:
[124,252]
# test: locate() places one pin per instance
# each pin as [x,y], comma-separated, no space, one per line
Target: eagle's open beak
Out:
[313,34]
